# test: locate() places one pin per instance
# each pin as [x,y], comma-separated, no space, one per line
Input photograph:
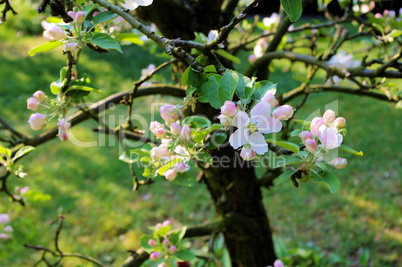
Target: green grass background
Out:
[92,188]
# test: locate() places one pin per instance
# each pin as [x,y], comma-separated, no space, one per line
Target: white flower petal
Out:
[241,119]
[238,138]
[258,144]
[262,109]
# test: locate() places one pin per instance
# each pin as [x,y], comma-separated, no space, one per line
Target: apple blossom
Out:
[80,17]
[4,218]
[311,145]
[24,190]
[70,47]
[175,128]
[169,113]
[329,137]
[172,249]
[278,263]
[306,135]
[229,109]
[251,129]
[315,125]
[160,133]
[40,96]
[159,152]
[37,121]
[155,255]
[284,112]
[329,116]
[4,236]
[53,33]
[338,163]
[185,133]
[166,223]
[170,175]
[133,4]
[225,120]
[152,242]
[32,103]
[64,125]
[247,153]
[8,228]
[155,125]
[166,242]
[339,122]
[273,19]
[180,167]
[270,99]
[63,136]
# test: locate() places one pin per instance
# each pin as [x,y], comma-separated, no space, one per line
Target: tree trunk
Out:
[237,197]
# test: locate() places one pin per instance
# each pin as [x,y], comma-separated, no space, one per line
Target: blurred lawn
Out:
[92,188]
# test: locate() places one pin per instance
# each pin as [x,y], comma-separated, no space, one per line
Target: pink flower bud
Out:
[160,133]
[311,145]
[4,218]
[169,113]
[329,137]
[8,228]
[270,99]
[170,175]
[80,17]
[166,223]
[340,122]
[70,47]
[152,242]
[172,249]
[40,96]
[225,120]
[329,116]
[305,135]
[24,190]
[339,163]
[37,121]
[252,58]
[155,255]
[63,137]
[53,33]
[315,125]
[175,128]
[158,226]
[95,13]
[180,167]
[71,14]
[247,153]
[4,236]
[278,263]
[32,103]
[155,125]
[284,112]
[165,241]
[185,133]
[161,265]
[229,109]
[64,125]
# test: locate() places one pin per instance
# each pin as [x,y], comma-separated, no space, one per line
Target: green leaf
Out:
[168,166]
[193,78]
[241,85]
[5,151]
[184,255]
[104,16]
[288,145]
[22,151]
[215,141]
[262,88]
[328,179]
[130,37]
[284,177]
[210,68]
[88,9]
[227,55]
[204,157]
[144,242]
[285,160]
[44,47]
[196,122]
[302,122]
[103,40]
[227,86]
[295,132]
[351,150]
[134,155]
[200,135]
[212,91]
[293,8]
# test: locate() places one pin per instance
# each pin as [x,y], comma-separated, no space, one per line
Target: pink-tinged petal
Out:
[329,116]
[247,153]
[305,135]
[258,143]
[339,163]
[240,120]
[262,109]
[229,109]
[315,125]
[238,138]
[269,125]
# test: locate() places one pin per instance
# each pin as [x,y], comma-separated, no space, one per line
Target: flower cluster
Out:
[20,192]
[344,62]
[173,131]
[4,219]
[38,121]
[262,119]
[327,130]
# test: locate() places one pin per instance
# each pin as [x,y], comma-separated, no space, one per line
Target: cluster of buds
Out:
[327,130]
[262,119]
[4,219]
[165,247]
[20,192]
[38,121]
[363,7]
